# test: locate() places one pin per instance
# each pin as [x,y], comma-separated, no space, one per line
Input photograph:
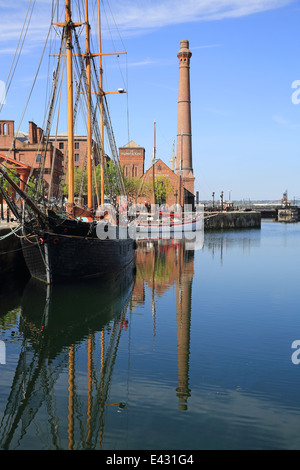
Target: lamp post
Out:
[213,198]
[176,195]
[221,198]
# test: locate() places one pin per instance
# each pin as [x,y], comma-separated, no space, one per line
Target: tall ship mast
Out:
[74,242]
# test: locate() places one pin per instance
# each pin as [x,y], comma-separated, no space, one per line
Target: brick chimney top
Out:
[184,47]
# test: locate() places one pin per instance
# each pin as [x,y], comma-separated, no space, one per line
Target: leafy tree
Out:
[135,187]
[162,189]
[80,180]
[30,188]
[111,180]
[12,173]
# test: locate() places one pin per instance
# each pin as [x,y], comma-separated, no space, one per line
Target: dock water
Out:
[12,262]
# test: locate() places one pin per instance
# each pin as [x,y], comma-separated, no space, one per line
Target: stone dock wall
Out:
[232,220]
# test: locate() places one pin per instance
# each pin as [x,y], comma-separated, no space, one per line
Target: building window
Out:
[76,157]
[61,145]
[38,158]
[76,145]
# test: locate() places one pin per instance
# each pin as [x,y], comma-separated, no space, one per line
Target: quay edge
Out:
[232,220]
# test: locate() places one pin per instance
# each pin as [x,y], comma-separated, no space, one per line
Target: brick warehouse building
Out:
[25,153]
[80,149]
[132,159]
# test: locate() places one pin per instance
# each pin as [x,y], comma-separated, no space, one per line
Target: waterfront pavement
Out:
[4,224]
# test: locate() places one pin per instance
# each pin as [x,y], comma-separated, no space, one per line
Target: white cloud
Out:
[284,122]
[133,16]
[137,15]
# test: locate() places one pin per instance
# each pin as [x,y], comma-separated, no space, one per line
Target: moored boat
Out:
[63,245]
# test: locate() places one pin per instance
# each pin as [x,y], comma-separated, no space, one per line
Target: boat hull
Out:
[56,258]
[192,225]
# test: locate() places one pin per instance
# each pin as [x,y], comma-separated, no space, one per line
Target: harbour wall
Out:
[232,220]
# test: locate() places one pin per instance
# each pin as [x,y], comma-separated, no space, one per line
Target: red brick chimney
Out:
[184,128]
[32,133]
[40,134]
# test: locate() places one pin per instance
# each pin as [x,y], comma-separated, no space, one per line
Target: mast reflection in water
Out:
[61,326]
[191,351]
[161,264]
[70,336]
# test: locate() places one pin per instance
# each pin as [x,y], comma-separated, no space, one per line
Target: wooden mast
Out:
[154,158]
[69,48]
[88,92]
[101,108]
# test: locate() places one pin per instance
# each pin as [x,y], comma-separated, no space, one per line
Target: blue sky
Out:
[245,127]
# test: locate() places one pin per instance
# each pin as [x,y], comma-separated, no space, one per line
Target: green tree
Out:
[12,173]
[80,181]
[111,180]
[135,187]
[162,189]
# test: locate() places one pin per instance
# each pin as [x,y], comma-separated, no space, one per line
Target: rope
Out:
[17,53]
[11,233]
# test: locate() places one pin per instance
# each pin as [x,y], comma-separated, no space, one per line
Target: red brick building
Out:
[161,169]
[27,150]
[80,149]
[132,160]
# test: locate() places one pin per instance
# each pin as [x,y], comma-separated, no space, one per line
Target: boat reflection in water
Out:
[56,321]
[72,383]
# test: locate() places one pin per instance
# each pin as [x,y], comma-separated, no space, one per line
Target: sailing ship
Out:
[64,244]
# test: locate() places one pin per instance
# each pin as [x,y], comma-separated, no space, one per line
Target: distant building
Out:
[161,169]
[80,149]
[26,151]
[132,160]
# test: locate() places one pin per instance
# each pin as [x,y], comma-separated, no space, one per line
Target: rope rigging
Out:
[113,186]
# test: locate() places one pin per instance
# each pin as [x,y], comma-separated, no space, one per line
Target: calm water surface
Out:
[193,351]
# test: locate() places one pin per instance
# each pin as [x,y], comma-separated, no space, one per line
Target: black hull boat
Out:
[57,258]
[63,244]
